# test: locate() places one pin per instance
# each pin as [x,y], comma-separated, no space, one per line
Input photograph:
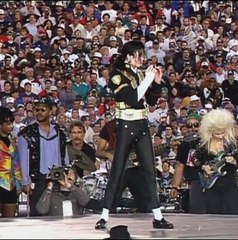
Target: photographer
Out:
[62,197]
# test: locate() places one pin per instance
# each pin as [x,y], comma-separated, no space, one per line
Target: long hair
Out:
[129,48]
[220,120]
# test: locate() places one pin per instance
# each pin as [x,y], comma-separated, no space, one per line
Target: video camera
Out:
[57,173]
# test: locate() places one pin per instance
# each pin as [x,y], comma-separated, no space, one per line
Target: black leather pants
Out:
[131,133]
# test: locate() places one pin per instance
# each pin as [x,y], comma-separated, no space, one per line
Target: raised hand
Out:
[158,75]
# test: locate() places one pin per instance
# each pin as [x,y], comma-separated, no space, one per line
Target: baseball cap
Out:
[163,115]
[65,51]
[152,32]
[37,49]
[194,98]
[44,100]
[27,82]
[113,38]
[204,64]
[156,41]
[200,47]
[194,116]
[134,21]
[53,88]
[59,4]
[10,100]
[230,73]
[219,54]
[97,54]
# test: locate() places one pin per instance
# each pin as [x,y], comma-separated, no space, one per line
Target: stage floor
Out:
[139,227]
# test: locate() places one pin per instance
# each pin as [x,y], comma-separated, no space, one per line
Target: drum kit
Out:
[95,185]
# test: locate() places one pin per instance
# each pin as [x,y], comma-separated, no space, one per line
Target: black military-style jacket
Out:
[124,83]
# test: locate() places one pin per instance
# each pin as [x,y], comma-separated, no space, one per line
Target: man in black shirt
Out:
[185,167]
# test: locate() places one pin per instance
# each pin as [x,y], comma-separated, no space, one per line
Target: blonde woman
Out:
[216,159]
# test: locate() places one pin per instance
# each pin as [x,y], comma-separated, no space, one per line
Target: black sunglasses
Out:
[190,125]
[40,109]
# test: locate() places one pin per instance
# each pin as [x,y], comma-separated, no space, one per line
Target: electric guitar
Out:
[207,181]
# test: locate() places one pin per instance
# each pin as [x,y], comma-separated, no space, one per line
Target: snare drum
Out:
[95,186]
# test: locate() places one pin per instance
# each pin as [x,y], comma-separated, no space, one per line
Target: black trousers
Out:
[131,133]
[222,197]
[134,180]
[39,188]
[196,198]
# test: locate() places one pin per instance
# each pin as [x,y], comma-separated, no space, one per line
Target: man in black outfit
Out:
[133,91]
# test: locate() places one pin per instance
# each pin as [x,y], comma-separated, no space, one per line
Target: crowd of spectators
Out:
[63,50]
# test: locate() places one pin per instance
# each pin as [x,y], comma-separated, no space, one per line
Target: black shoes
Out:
[101,224]
[162,224]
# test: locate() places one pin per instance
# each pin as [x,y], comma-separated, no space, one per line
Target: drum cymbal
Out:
[80,159]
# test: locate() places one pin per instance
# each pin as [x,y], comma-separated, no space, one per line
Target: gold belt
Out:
[131,114]
[122,105]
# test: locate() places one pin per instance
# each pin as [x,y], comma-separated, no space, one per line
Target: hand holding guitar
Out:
[208,170]
[231,160]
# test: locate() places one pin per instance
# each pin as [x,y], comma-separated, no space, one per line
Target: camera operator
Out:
[64,200]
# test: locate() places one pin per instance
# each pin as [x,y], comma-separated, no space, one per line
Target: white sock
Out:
[105,214]
[157,214]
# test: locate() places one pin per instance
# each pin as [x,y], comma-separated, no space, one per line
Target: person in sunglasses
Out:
[185,167]
[42,145]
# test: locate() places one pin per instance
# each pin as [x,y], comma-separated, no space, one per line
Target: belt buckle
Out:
[129,115]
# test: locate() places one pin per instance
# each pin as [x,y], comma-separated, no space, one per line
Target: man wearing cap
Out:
[27,95]
[220,48]
[194,104]
[230,87]
[113,46]
[10,174]
[42,145]
[10,103]
[36,85]
[156,51]
[185,166]
[54,94]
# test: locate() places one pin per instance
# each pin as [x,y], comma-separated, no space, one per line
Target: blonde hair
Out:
[217,119]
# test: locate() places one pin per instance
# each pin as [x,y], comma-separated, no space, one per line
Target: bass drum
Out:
[126,202]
